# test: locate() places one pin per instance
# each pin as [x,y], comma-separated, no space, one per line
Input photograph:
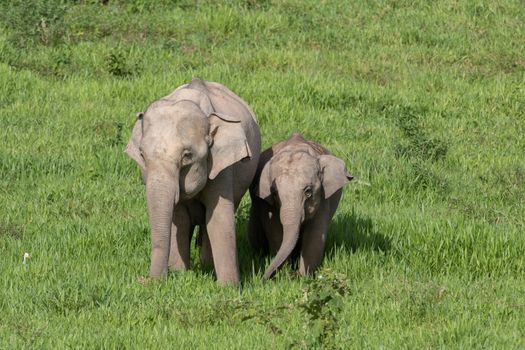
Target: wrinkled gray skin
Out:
[197,150]
[294,196]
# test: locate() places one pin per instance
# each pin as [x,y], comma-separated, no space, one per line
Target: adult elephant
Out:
[197,150]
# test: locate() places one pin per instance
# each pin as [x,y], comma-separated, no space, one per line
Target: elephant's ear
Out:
[228,143]
[132,149]
[264,187]
[334,174]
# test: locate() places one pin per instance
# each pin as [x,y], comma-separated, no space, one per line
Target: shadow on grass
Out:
[354,233]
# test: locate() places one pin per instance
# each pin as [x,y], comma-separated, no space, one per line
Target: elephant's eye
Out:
[307,192]
[187,157]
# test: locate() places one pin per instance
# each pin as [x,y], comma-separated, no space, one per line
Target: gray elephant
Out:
[294,195]
[197,150]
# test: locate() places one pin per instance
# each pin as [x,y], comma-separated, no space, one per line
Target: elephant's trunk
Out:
[291,218]
[162,191]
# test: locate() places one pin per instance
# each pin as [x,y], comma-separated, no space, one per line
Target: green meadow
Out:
[424,100]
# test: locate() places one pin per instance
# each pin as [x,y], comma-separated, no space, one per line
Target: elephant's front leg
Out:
[220,224]
[181,228]
[313,241]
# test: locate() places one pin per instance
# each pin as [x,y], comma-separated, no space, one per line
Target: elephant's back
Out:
[224,100]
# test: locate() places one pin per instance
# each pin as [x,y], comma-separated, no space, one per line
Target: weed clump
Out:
[34,21]
[322,303]
[119,64]
[418,144]
[10,230]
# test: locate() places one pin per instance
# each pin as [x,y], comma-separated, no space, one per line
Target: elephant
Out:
[197,150]
[295,193]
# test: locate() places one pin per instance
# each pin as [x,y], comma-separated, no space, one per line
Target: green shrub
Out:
[120,64]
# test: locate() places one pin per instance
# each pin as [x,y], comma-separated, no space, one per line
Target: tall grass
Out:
[424,102]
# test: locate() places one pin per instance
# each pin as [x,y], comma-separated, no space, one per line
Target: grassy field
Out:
[425,101]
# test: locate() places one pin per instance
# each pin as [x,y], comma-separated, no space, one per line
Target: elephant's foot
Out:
[179,260]
[178,266]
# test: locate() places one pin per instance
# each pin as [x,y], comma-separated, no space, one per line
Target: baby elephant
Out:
[294,194]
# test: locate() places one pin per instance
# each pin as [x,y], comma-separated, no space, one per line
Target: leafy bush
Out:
[119,64]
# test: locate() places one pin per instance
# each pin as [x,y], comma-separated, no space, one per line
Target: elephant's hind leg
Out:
[206,253]
[181,232]
[256,235]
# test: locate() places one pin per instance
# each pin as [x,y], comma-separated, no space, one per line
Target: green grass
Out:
[425,101]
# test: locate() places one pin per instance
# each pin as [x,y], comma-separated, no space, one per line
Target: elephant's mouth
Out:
[191,183]
[186,196]
[309,211]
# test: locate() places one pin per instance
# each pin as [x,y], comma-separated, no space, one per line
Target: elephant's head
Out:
[178,148]
[297,183]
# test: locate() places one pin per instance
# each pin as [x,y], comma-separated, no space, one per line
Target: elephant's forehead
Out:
[295,164]
[174,123]
[167,138]
[191,127]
